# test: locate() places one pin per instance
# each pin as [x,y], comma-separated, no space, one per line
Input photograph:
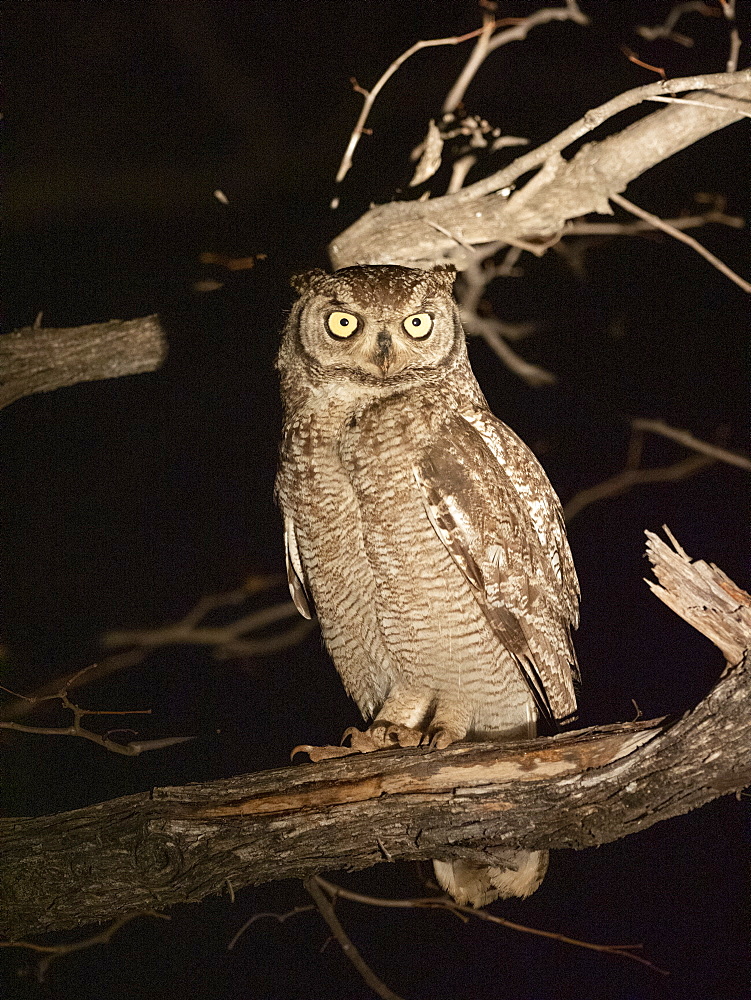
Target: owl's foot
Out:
[380,736]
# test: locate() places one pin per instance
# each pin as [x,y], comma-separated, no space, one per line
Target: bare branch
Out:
[445,903]
[585,228]
[229,640]
[405,232]
[53,951]
[532,374]
[36,360]
[687,439]
[623,481]
[666,29]
[659,223]
[633,474]
[371,95]
[132,749]
[484,45]
[280,918]
[740,107]
[327,912]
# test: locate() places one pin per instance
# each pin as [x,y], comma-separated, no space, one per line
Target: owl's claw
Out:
[439,739]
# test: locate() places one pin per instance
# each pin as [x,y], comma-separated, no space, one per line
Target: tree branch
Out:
[36,360]
[576,790]
[406,233]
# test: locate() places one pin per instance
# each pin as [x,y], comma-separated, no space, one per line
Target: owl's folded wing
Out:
[492,529]
[295,575]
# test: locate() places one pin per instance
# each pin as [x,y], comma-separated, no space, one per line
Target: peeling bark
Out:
[572,791]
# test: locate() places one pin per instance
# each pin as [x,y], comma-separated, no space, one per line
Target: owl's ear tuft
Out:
[308,281]
[445,275]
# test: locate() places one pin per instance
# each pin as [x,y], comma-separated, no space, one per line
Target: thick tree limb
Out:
[37,360]
[576,790]
[406,233]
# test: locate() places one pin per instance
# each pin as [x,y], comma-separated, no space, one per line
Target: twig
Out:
[666,29]
[475,280]
[484,46]
[735,48]
[643,226]
[521,27]
[229,640]
[659,223]
[371,95]
[279,917]
[629,477]
[696,444]
[53,951]
[476,59]
[623,481]
[533,375]
[132,749]
[444,903]
[327,912]
[735,105]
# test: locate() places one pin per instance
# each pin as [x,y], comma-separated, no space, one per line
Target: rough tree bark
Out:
[445,228]
[573,791]
[39,360]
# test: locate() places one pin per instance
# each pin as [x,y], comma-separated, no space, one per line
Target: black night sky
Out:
[123,501]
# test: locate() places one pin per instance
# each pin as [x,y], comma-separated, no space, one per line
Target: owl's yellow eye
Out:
[342,325]
[419,325]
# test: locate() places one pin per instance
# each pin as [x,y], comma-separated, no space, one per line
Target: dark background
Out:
[125,500]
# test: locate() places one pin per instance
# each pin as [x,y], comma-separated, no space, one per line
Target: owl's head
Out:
[375,324]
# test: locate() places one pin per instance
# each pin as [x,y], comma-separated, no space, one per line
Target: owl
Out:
[421,531]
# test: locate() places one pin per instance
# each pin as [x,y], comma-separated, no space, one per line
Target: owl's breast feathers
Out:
[490,504]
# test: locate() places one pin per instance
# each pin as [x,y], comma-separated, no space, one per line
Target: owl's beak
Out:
[384,352]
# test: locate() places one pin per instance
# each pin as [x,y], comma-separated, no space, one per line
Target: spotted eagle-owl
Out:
[422,531]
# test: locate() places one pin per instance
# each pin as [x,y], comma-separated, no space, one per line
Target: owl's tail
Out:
[517,872]
[477,885]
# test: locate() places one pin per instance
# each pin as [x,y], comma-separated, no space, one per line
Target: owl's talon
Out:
[439,739]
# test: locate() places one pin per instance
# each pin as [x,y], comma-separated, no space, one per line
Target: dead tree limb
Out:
[38,360]
[535,216]
[577,790]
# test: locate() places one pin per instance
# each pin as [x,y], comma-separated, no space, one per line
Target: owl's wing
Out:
[533,486]
[295,575]
[493,508]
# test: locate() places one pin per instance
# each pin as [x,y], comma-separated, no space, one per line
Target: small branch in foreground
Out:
[52,951]
[659,223]
[445,903]
[327,912]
